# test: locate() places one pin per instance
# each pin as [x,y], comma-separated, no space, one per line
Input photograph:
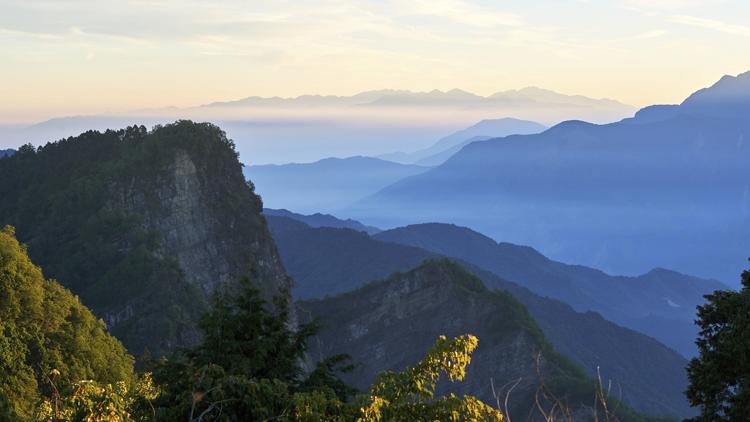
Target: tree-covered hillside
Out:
[142,225]
[46,334]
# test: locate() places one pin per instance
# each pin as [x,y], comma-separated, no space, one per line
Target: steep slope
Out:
[325,262]
[322,220]
[325,185]
[386,325]
[443,156]
[449,145]
[143,226]
[45,327]
[666,190]
[660,303]
[653,386]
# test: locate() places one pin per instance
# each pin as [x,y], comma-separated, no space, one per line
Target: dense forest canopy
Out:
[95,212]
[44,328]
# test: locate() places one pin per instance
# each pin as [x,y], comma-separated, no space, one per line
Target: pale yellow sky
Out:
[93,56]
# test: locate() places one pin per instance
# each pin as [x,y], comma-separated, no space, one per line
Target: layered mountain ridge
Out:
[325,185]
[595,194]
[385,324]
[332,261]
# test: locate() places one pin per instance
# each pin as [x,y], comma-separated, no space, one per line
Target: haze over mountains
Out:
[375,211]
[334,183]
[529,96]
[663,189]
[328,262]
[445,147]
[312,127]
[166,208]
[660,303]
[163,218]
[326,185]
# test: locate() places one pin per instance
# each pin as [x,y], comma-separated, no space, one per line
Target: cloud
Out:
[649,35]
[713,24]
[466,13]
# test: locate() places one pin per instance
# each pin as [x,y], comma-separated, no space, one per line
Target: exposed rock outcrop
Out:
[389,324]
[143,226]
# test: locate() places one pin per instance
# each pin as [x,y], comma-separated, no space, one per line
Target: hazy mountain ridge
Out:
[6,152]
[313,127]
[308,252]
[449,145]
[660,303]
[322,220]
[326,262]
[325,185]
[436,97]
[676,178]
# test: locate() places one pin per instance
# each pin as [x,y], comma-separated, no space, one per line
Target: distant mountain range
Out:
[526,97]
[449,145]
[660,303]
[328,262]
[6,152]
[312,127]
[322,220]
[381,329]
[334,183]
[665,188]
[325,185]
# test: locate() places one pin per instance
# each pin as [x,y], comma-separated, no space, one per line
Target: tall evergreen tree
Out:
[248,367]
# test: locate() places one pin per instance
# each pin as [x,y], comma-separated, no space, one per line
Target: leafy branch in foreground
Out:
[409,395]
[92,401]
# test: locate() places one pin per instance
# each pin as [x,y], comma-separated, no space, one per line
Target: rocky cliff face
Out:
[143,226]
[212,244]
[388,325]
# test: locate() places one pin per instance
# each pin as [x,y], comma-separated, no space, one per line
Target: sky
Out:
[60,58]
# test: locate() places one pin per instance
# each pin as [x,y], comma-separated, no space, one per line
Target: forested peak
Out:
[141,224]
[202,141]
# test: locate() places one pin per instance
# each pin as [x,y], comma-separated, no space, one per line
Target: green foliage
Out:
[44,329]
[242,336]
[720,375]
[325,376]
[94,402]
[409,395]
[248,367]
[69,199]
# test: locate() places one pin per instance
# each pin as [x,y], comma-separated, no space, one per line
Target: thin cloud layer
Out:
[85,56]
